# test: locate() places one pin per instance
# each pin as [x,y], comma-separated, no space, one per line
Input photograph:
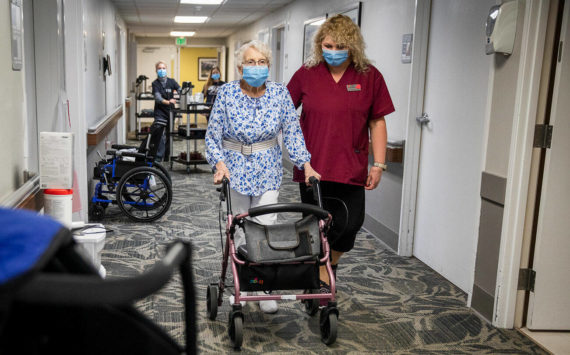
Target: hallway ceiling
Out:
[155,18]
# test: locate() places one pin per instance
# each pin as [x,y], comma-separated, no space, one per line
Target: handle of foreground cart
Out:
[92,290]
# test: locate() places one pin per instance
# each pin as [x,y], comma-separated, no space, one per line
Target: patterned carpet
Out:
[388,304]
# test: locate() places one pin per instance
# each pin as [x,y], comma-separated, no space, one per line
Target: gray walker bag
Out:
[298,241]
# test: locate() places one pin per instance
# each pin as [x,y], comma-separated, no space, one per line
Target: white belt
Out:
[246,149]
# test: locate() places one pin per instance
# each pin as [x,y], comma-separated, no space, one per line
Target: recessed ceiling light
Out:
[202,2]
[190,19]
[182,33]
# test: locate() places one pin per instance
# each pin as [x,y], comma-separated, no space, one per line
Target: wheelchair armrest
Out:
[111,152]
[133,154]
[122,146]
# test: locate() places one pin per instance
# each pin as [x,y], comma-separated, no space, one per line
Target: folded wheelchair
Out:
[53,301]
[128,177]
[277,257]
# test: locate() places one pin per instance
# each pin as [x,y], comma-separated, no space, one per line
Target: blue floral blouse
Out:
[248,120]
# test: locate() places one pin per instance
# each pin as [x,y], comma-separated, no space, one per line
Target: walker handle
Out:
[289,207]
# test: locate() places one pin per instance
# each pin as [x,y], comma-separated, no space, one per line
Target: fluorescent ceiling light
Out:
[182,33]
[190,19]
[202,2]
[318,23]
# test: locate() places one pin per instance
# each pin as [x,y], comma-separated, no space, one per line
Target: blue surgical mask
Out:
[216,76]
[335,58]
[255,75]
[161,73]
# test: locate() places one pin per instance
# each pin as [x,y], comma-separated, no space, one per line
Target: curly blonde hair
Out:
[343,31]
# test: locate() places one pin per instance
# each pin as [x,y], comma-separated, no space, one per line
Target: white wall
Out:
[12,107]
[383,22]
[101,95]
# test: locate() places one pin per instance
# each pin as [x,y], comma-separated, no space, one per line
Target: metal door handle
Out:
[424,118]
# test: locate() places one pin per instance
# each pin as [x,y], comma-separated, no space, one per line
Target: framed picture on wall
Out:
[311,27]
[205,65]
[353,12]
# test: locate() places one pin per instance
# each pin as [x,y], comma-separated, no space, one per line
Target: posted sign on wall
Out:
[56,160]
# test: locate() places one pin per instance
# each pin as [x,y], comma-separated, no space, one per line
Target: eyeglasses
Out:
[252,62]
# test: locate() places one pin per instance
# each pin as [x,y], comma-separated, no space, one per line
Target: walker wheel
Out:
[212,302]
[311,306]
[235,330]
[96,212]
[328,322]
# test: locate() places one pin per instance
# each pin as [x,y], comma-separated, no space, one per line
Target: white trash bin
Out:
[91,240]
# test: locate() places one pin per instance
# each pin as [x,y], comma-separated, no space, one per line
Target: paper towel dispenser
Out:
[501,27]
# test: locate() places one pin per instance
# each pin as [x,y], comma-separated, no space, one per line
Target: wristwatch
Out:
[380,165]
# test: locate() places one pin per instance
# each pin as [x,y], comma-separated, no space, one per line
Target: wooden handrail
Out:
[99,132]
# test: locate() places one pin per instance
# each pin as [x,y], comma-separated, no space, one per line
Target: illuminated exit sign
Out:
[180,41]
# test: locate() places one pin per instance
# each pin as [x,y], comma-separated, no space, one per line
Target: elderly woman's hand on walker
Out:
[309,171]
[221,172]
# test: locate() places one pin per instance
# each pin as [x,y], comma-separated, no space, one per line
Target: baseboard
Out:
[386,235]
[482,302]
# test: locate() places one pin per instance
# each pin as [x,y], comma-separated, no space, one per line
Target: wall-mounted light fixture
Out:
[182,33]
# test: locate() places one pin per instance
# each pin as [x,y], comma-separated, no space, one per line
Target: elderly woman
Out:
[241,140]
[344,98]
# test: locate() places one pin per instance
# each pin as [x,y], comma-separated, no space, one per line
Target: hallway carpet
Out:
[388,304]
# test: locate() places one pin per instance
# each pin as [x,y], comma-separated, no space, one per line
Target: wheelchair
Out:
[129,178]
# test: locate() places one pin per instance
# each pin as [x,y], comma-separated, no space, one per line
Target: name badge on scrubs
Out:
[353,87]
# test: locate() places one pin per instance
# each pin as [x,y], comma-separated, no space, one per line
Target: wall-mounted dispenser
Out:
[501,27]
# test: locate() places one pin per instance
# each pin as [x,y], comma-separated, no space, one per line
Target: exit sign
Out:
[181,41]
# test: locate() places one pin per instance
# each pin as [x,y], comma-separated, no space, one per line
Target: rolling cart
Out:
[191,132]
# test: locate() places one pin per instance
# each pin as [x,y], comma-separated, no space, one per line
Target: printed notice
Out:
[56,160]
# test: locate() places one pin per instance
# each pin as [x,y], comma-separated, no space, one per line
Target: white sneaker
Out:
[268,306]
[232,298]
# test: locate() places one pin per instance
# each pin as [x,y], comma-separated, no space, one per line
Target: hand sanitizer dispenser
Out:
[501,27]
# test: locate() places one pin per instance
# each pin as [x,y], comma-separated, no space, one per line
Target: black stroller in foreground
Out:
[276,257]
[52,301]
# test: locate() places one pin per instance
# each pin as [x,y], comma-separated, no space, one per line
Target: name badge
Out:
[353,87]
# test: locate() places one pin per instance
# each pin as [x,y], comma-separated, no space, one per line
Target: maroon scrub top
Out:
[335,119]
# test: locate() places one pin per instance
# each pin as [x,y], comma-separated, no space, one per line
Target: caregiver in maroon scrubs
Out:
[344,98]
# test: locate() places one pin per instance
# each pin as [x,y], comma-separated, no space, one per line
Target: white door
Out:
[455,99]
[549,304]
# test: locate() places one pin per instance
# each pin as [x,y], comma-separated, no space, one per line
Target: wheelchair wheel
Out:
[328,324]
[235,330]
[144,194]
[162,170]
[96,212]
[212,302]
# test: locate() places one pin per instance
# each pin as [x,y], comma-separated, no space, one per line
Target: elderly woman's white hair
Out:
[260,46]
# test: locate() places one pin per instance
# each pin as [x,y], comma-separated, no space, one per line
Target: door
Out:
[451,155]
[549,304]
[278,53]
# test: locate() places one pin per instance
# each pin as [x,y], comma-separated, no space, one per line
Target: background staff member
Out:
[343,97]
[212,85]
[163,89]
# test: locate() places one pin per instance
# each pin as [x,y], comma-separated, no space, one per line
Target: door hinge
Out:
[542,136]
[526,279]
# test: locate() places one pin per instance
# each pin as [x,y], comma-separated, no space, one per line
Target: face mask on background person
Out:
[335,58]
[161,73]
[216,76]
[255,75]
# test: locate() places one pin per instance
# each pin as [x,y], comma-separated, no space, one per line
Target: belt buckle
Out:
[246,149]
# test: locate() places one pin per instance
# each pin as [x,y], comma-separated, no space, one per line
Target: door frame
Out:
[520,159]
[413,136]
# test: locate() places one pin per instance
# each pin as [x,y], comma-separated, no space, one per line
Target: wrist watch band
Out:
[380,165]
